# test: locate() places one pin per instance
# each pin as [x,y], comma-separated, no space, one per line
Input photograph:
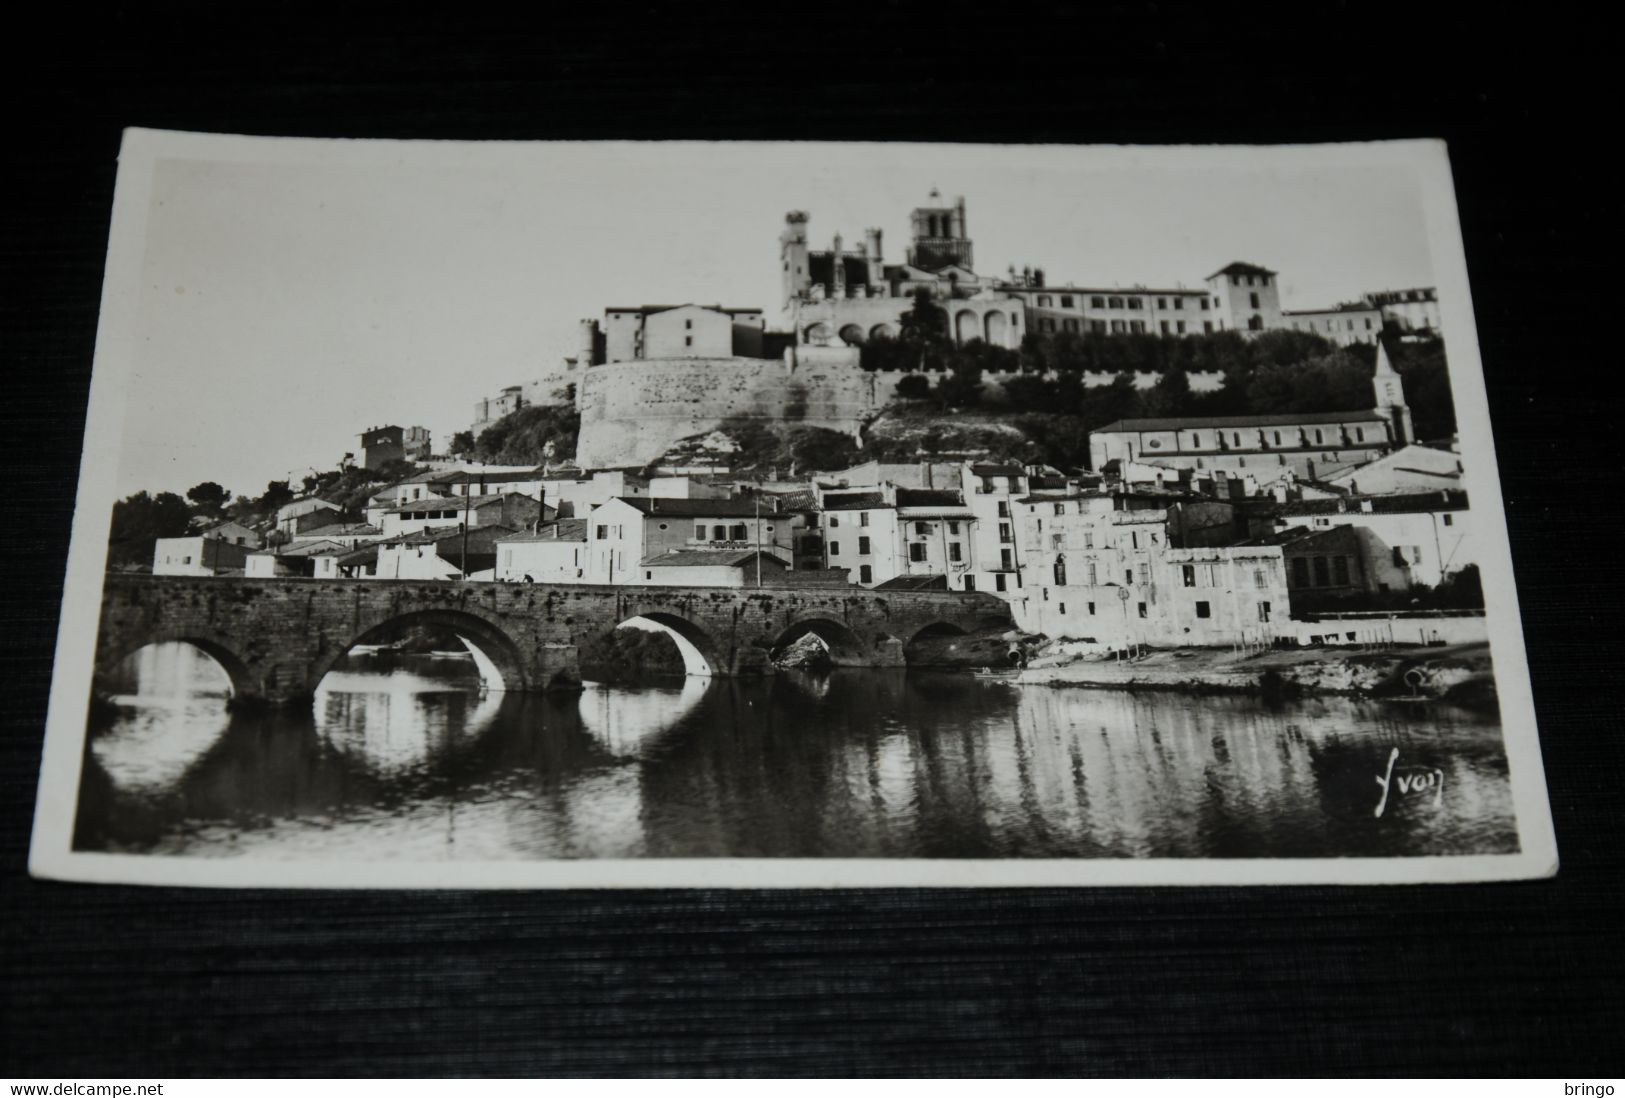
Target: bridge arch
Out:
[917,647]
[244,681]
[700,651]
[501,663]
[846,649]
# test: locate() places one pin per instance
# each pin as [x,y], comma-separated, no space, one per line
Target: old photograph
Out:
[749,515]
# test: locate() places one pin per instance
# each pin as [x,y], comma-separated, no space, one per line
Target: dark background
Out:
[1496,979]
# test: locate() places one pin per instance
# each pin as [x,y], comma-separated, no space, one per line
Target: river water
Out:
[413,761]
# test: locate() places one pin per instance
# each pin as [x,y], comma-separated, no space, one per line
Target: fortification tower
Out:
[793,258]
[940,235]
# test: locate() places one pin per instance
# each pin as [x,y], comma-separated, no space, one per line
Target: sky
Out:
[289,302]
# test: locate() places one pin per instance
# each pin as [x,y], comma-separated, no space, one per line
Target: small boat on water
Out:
[997,674]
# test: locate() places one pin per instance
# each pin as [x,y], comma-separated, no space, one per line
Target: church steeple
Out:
[1388,392]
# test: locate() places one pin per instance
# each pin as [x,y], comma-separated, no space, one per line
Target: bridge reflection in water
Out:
[419,764]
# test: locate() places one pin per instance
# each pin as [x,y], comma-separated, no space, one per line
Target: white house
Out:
[198,555]
[881,534]
[1408,539]
[623,532]
[295,514]
[1097,571]
[1408,469]
[554,554]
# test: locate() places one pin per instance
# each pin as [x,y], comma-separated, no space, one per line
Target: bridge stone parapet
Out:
[276,638]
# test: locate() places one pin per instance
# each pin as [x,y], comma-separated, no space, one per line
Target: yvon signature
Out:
[1409,781]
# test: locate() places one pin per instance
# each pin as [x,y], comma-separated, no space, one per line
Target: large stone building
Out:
[1312,445]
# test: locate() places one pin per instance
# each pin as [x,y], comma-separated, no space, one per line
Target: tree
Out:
[914,387]
[139,521]
[276,494]
[962,387]
[462,443]
[208,497]
[923,328]
[1171,396]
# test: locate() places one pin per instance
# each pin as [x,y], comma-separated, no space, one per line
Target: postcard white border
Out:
[51,854]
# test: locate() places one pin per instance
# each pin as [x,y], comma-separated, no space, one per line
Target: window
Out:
[834,548]
[1359,434]
[1164,325]
[998,581]
[1056,541]
[1162,303]
[1320,438]
[1180,326]
[1449,520]
[688,341]
[1004,532]
[1066,301]
[834,521]
[1091,608]
[1069,325]
[1205,305]
[1145,574]
[1134,303]
[1063,607]
[1136,326]
[922,528]
[863,547]
[1007,560]
[956,551]
[1097,302]
[1141,608]
[1263,611]
[970,583]
[916,552]
[719,533]
[866,574]
[1323,576]
[1340,568]
[1204,610]
[1128,576]
[737,532]
[1094,577]
[1045,324]
[1115,302]
[1179,303]
[648,575]
[1004,509]
[1060,572]
[1260,580]
[1189,573]
[1207,326]
[1277,438]
[1253,299]
[1088,539]
[1399,556]
[863,518]
[603,532]
[1118,327]
[1043,301]
[953,528]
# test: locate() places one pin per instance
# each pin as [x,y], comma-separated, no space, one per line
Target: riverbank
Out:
[1460,673]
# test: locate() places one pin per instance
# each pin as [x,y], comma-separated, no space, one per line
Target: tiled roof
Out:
[708,558]
[1241,268]
[929,497]
[698,508]
[342,529]
[1404,503]
[1194,423]
[563,530]
[997,471]
[913,583]
[853,501]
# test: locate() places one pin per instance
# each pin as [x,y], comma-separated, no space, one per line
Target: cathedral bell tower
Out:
[1388,390]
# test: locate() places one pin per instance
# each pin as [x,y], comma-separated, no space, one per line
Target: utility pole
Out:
[464,561]
[758,504]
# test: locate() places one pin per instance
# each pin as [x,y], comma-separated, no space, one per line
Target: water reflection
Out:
[415,762]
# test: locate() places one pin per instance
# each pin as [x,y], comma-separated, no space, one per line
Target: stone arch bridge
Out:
[276,638]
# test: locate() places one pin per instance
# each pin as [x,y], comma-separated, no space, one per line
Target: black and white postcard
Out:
[767,515]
